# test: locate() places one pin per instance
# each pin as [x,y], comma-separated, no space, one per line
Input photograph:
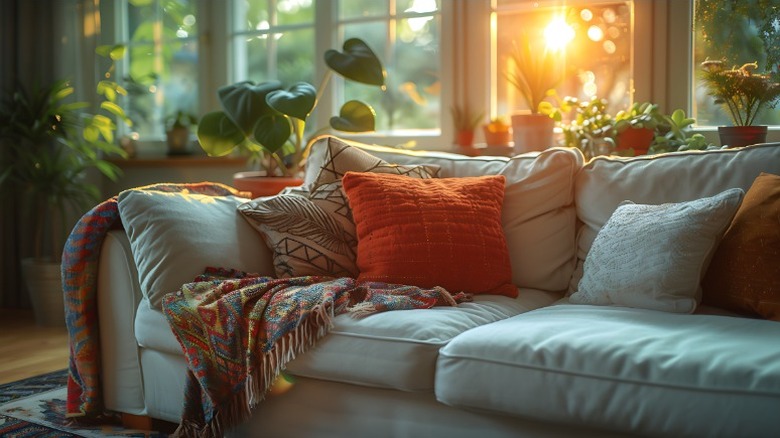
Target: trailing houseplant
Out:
[49,144]
[743,93]
[267,121]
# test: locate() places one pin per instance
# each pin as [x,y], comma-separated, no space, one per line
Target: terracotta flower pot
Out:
[259,184]
[638,139]
[465,138]
[737,136]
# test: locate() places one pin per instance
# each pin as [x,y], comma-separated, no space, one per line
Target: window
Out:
[591,44]
[170,69]
[752,35]
[161,68]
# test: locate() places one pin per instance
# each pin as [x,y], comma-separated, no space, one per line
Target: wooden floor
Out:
[28,350]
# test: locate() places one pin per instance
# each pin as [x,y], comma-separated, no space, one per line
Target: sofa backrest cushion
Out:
[538,214]
[603,183]
[435,232]
[175,236]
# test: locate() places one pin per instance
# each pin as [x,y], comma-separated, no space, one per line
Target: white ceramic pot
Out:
[532,132]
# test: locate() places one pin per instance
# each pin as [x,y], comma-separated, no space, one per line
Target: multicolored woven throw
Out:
[79,277]
[238,334]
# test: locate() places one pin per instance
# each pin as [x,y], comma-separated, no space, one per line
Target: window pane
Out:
[287,56]
[412,61]
[592,43]
[362,8]
[295,11]
[161,72]
[752,35]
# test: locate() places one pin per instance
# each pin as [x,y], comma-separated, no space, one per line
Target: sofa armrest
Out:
[118,295]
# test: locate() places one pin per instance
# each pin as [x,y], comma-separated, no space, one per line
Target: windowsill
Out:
[172,161]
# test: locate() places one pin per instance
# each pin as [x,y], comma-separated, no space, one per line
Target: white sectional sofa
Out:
[536,365]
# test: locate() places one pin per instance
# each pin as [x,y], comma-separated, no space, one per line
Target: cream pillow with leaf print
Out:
[313,233]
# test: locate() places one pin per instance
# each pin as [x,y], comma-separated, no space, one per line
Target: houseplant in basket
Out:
[535,74]
[744,93]
[48,146]
[266,121]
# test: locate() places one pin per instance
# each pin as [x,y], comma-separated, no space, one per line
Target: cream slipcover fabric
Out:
[175,236]
[398,349]
[391,349]
[603,183]
[633,370]
[538,216]
[655,256]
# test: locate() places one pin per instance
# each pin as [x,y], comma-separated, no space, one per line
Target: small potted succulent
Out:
[466,122]
[177,132]
[744,93]
[634,128]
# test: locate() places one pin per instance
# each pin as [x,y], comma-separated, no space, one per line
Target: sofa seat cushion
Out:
[152,330]
[538,213]
[398,349]
[646,372]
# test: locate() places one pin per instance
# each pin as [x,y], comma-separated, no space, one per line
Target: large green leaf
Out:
[244,102]
[218,135]
[272,131]
[355,116]
[357,63]
[296,102]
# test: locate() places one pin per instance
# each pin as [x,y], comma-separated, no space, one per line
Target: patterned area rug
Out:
[35,407]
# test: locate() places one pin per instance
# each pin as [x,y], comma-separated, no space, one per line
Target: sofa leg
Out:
[142,422]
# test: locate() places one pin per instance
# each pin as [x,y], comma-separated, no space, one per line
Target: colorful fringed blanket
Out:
[237,331]
[79,283]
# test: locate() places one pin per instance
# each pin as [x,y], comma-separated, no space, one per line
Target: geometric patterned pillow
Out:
[313,233]
[341,158]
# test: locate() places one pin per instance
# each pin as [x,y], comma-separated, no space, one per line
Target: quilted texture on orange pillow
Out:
[431,232]
[744,275]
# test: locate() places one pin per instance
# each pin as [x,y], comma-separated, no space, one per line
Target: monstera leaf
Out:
[218,135]
[296,102]
[357,63]
[245,102]
[272,131]
[355,116]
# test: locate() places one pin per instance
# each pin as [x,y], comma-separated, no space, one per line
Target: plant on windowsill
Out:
[535,75]
[266,121]
[635,128]
[465,121]
[48,146]
[177,132]
[744,93]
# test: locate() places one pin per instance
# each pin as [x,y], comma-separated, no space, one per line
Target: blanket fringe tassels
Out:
[260,380]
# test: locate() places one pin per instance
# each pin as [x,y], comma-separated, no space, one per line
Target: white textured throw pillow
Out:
[654,256]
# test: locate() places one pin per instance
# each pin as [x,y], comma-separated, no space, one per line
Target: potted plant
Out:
[634,128]
[498,132]
[49,144]
[534,74]
[744,94]
[466,122]
[266,121]
[177,132]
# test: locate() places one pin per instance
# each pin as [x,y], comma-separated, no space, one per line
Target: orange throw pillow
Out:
[434,232]
[744,275]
